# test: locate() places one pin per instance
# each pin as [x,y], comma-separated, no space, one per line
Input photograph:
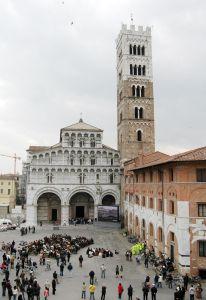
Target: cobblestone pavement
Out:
[104,236]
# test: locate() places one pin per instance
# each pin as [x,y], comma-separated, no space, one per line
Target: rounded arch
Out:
[81,190]
[108,200]
[110,192]
[49,208]
[48,190]
[82,205]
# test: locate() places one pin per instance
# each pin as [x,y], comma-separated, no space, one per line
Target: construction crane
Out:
[15,159]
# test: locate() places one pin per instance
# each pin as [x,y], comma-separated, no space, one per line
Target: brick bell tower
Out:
[135,102]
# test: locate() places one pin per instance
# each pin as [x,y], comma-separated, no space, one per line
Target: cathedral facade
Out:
[74,178]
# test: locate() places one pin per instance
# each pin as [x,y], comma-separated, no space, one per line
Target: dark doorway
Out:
[79,211]
[54,214]
[172,252]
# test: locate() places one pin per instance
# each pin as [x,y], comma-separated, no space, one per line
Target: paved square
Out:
[104,236]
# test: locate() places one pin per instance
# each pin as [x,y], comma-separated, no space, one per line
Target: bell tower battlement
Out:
[135,103]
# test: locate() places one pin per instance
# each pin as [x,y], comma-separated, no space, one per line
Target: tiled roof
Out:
[37,148]
[8,177]
[158,158]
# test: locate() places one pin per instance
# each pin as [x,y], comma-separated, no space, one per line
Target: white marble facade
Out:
[71,178]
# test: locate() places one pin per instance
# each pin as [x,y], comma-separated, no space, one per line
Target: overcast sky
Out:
[51,71]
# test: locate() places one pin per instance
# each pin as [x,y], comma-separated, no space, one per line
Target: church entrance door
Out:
[54,214]
[81,206]
[79,211]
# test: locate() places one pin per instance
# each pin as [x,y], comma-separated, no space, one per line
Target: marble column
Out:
[64,214]
[31,215]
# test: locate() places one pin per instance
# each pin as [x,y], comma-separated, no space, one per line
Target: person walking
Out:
[15,293]
[55,276]
[103,271]
[130,292]
[46,294]
[84,288]
[70,268]
[121,271]
[61,269]
[91,276]
[120,290]
[117,271]
[186,281]
[198,291]
[146,261]
[53,286]
[145,291]
[20,296]
[10,292]
[170,279]
[192,292]
[92,289]
[80,261]
[104,289]
[3,284]
[153,291]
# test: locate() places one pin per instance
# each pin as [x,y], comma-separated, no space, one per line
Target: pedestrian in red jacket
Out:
[120,290]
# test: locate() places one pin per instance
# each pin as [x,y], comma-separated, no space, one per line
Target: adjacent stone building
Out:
[73,177]
[165,204]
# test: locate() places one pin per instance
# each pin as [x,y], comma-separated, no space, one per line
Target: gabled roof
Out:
[81,126]
[159,158]
[109,148]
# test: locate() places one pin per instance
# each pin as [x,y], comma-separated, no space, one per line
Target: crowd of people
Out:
[101,252]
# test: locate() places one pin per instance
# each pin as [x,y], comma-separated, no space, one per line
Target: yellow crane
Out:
[15,157]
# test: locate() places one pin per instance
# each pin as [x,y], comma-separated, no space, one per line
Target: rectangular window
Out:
[201,175]
[9,191]
[9,183]
[202,210]
[151,176]
[143,177]
[160,176]
[160,205]
[202,248]
[2,183]
[171,175]
[97,176]
[92,162]
[111,161]
[151,203]
[1,191]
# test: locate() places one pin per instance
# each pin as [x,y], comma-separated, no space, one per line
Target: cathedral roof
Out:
[81,126]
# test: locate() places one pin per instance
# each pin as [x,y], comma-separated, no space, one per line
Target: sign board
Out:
[108,213]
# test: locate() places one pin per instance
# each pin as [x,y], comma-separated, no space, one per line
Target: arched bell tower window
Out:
[136,112]
[143,70]
[139,136]
[143,91]
[139,70]
[130,49]
[138,50]
[135,70]
[143,50]
[134,50]
[133,90]
[138,91]
[131,69]
[140,113]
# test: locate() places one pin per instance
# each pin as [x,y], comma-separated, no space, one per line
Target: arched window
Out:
[139,135]
[133,90]
[111,178]
[93,161]
[141,113]
[143,70]
[142,91]
[138,91]
[151,229]
[143,50]
[130,49]
[136,114]
[134,50]
[139,70]
[131,69]
[135,70]
[120,117]
[92,143]
[138,50]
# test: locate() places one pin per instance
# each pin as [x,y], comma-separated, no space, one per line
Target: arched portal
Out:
[49,208]
[108,200]
[82,206]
